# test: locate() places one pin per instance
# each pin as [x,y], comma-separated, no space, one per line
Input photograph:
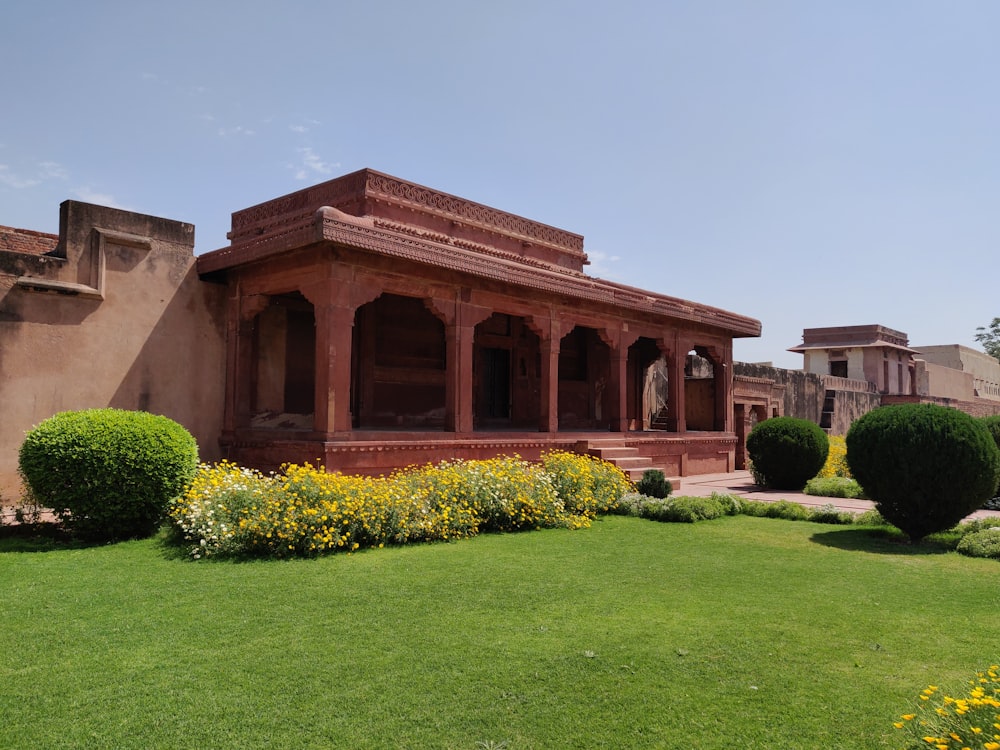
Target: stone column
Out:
[676,420]
[332,400]
[458,379]
[335,299]
[618,384]
[620,378]
[724,416]
[549,349]
[241,325]
[232,359]
[460,319]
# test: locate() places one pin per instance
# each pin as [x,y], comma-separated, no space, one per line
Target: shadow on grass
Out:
[879,540]
[50,536]
[38,537]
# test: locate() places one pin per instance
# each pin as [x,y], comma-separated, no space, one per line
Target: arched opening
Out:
[646,395]
[701,391]
[283,371]
[506,374]
[584,373]
[398,365]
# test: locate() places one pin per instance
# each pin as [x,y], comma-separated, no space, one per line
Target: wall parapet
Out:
[834,383]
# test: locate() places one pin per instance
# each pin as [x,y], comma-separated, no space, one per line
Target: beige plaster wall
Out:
[154,342]
[942,381]
[817,361]
[984,369]
[855,364]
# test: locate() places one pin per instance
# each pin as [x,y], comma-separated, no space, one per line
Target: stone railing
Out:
[833,383]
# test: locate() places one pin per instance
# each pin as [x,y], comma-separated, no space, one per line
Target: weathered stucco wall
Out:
[804,391]
[850,405]
[114,318]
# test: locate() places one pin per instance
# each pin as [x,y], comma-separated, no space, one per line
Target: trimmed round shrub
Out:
[787,452]
[992,424]
[107,474]
[925,466]
[654,484]
[982,543]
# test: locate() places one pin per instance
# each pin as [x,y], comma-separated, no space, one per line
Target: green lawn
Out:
[736,633]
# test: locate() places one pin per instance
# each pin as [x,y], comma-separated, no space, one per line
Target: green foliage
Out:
[731,504]
[786,452]
[685,509]
[982,543]
[870,518]
[654,484]
[992,424]
[107,474]
[834,487]
[990,338]
[680,509]
[780,509]
[829,514]
[925,466]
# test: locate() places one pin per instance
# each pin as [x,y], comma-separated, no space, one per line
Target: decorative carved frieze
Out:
[355,191]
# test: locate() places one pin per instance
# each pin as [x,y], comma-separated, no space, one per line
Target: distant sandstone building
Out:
[368,323]
[850,370]
[881,357]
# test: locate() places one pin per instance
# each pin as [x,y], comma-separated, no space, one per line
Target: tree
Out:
[990,338]
[786,452]
[926,466]
[108,474]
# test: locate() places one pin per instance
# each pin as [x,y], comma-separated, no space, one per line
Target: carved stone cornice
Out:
[408,194]
[358,192]
[334,226]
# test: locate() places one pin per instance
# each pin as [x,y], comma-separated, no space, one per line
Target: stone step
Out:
[614,450]
[611,453]
[601,443]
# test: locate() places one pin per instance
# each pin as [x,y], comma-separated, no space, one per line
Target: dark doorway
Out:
[495,384]
[300,362]
[398,364]
[506,385]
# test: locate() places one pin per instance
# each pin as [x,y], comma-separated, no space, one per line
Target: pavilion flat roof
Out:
[394,239]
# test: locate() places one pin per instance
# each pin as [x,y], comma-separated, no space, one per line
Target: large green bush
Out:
[993,425]
[786,452]
[925,466]
[107,473]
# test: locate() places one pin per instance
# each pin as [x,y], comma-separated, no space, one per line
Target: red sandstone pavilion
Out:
[373,323]
[368,323]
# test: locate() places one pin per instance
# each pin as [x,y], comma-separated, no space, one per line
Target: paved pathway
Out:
[740,483]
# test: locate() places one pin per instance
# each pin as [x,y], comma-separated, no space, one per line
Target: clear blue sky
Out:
[804,163]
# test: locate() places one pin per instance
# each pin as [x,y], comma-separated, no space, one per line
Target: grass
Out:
[741,632]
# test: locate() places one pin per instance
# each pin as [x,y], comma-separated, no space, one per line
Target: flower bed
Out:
[304,510]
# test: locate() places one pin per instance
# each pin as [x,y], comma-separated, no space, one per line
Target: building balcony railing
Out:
[833,383]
